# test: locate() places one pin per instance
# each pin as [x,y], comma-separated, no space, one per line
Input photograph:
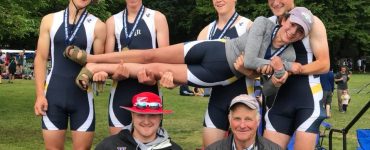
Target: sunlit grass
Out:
[21,129]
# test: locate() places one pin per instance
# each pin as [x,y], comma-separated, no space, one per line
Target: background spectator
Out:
[12,69]
[341,79]
[363,64]
[2,65]
[349,64]
[359,64]
[345,100]
[327,83]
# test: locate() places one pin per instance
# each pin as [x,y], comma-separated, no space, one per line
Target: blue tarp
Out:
[363,138]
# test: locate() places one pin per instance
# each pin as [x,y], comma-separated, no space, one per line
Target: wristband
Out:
[279,73]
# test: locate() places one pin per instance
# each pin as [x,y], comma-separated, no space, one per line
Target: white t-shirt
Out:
[359,61]
[345,99]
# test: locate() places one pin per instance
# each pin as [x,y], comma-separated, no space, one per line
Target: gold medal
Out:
[125,49]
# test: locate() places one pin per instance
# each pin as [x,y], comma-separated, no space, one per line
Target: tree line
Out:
[347,21]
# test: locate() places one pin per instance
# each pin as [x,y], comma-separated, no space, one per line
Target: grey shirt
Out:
[254,44]
[343,84]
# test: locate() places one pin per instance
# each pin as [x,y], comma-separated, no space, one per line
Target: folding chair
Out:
[327,127]
[363,138]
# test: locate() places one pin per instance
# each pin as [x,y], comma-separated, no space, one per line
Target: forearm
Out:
[108,68]
[254,63]
[316,67]
[114,57]
[40,75]
[336,80]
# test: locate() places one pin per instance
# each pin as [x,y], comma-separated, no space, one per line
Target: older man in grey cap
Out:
[244,119]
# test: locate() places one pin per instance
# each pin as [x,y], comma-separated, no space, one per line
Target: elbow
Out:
[326,66]
[246,65]
[322,66]
[327,69]
[249,65]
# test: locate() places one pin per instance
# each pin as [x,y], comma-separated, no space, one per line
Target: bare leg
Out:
[328,113]
[82,140]
[179,71]
[114,130]
[339,94]
[173,54]
[305,140]
[54,140]
[279,138]
[211,135]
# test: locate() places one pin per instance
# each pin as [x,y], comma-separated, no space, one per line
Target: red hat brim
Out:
[147,111]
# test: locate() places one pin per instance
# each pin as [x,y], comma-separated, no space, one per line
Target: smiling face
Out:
[243,123]
[290,32]
[224,6]
[280,7]
[145,126]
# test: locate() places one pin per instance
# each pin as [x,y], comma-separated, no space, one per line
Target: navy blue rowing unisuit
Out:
[122,92]
[65,99]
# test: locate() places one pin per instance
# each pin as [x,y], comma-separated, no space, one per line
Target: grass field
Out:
[20,128]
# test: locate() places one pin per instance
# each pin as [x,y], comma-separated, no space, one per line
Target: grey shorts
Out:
[327,97]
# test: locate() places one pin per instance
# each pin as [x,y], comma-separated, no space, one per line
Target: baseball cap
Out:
[247,100]
[303,17]
[147,103]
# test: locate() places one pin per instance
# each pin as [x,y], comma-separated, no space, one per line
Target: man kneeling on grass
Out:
[144,133]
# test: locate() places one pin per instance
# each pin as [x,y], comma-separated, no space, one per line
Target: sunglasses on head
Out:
[144,105]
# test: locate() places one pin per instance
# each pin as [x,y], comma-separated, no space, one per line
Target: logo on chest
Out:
[137,32]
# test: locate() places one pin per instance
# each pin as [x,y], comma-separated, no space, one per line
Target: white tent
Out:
[16,51]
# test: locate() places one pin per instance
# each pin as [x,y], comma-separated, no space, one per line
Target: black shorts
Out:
[207,64]
[12,69]
[66,102]
[327,97]
[298,106]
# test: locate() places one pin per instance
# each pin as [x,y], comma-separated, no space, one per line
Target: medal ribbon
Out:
[229,23]
[136,22]
[69,38]
[277,52]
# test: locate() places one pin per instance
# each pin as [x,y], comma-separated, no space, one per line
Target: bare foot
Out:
[75,54]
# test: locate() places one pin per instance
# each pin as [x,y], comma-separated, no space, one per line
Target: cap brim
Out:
[300,22]
[250,105]
[147,111]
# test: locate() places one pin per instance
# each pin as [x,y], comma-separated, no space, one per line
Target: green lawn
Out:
[20,128]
